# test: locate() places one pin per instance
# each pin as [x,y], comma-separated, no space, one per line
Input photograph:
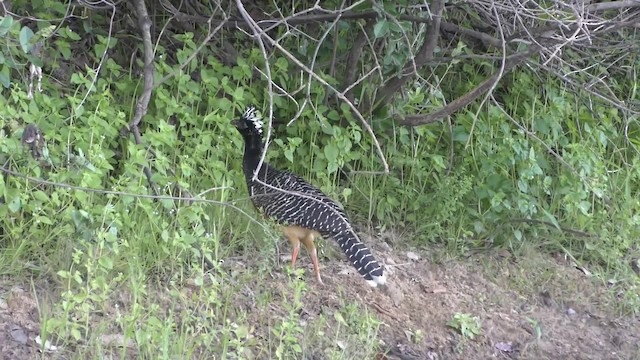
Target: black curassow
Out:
[302,209]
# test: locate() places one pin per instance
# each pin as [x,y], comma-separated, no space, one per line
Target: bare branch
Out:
[486,38]
[498,76]
[612,5]
[552,225]
[103,56]
[468,98]
[143,102]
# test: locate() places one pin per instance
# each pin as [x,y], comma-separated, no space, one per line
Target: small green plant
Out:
[536,327]
[416,336]
[468,326]
[289,331]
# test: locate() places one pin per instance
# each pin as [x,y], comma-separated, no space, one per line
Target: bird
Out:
[302,210]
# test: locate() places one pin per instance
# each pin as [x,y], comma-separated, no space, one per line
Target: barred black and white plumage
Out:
[291,201]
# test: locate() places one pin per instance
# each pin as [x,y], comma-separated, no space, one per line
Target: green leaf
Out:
[331,153]
[72,35]
[106,262]
[44,220]
[5,79]
[25,37]
[460,134]
[381,28]
[75,333]
[339,318]
[45,32]
[288,154]
[332,167]
[238,94]
[15,204]
[40,195]
[5,25]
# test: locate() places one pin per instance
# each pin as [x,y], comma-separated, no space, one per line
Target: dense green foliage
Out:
[514,172]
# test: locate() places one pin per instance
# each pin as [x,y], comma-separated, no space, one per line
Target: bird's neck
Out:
[252,153]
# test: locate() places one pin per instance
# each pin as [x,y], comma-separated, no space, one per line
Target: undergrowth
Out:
[484,181]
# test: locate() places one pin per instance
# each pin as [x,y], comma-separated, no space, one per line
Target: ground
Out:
[533,306]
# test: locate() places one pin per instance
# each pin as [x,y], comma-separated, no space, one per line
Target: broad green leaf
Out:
[25,37]
[72,35]
[44,220]
[15,204]
[40,195]
[381,28]
[288,153]
[238,94]
[106,262]
[331,153]
[5,25]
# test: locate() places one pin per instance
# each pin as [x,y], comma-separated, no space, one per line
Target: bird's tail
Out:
[361,258]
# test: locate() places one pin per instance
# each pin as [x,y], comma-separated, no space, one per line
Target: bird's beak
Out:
[236,123]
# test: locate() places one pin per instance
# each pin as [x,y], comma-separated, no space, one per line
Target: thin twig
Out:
[134,195]
[103,56]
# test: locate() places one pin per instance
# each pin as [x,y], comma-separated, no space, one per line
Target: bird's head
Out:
[250,123]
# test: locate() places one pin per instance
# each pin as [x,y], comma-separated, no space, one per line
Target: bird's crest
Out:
[252,117]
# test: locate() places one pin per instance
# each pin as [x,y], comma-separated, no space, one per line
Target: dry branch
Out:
[468,98]
[143,102]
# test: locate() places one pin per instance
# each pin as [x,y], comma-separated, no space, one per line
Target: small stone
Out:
[504,347]
[18,334]
[413,256]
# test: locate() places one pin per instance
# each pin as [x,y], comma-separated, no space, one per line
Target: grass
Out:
[134,296]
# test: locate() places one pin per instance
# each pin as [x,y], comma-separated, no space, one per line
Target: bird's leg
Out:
[294,254]
[311,248]
[291,233]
